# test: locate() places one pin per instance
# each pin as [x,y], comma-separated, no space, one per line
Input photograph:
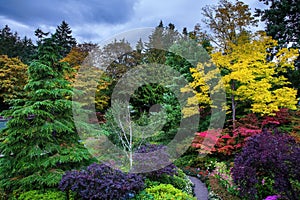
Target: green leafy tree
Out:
[40,141]
[192,52]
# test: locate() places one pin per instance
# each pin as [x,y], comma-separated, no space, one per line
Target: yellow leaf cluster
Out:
[13,77]
[248,76]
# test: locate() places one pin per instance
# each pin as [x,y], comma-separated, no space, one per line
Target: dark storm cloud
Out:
[96,20]
[33,12]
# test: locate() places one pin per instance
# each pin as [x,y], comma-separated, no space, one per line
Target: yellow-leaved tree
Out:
[93,81]
[13,78]
[248,76]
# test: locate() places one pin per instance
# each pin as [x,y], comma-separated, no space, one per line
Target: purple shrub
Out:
[273,156]
[273,197]
[99,181]
[154,161]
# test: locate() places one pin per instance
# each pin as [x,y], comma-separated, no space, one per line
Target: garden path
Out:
[200,189]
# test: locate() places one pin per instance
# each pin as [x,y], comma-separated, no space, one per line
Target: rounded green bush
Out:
[179,181]
[42,195]
[164,192]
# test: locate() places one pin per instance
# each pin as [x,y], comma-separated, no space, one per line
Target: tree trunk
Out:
[233,105]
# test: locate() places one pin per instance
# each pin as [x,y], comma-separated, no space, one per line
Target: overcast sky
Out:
[97,20]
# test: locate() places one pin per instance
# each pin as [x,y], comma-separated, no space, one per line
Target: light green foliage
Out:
[179,181]
[42,195]
[128,133]
[164,192]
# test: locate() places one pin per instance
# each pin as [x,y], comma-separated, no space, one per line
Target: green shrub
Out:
[42,195]
[3,195]
[187,160]
[179,181]
[163,192]
[194,160]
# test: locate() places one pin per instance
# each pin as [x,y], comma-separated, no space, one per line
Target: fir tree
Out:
[40,141]
[159,42]
[13,46]
[64,39]
[40,35]
[282,20]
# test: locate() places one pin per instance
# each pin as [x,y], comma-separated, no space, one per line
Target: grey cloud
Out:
[52,12]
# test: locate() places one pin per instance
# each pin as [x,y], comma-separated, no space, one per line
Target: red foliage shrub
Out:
[228,141]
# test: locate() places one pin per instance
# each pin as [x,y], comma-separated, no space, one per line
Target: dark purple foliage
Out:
[154,161]
[101,182]
[276,156]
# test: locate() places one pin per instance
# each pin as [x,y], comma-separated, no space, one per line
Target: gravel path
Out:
[200,189]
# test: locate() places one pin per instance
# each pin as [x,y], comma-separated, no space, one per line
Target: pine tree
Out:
[160,41]
[13,46]
[40,35]
[282,20]
[7,41]
[40,141]
[64,39]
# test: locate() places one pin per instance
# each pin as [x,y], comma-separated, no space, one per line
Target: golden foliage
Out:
[248,76]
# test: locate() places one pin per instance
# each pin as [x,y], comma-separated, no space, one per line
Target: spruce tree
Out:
[159,42]
[282,20]
[64,39]
[40,141]
[13,46]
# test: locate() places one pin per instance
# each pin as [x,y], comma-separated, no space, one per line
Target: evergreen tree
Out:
[283,24]
[13,46]
[40,141]
[40,35]
[7,41]
[159,42]
[282,21]
[184,31]
[63,38]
